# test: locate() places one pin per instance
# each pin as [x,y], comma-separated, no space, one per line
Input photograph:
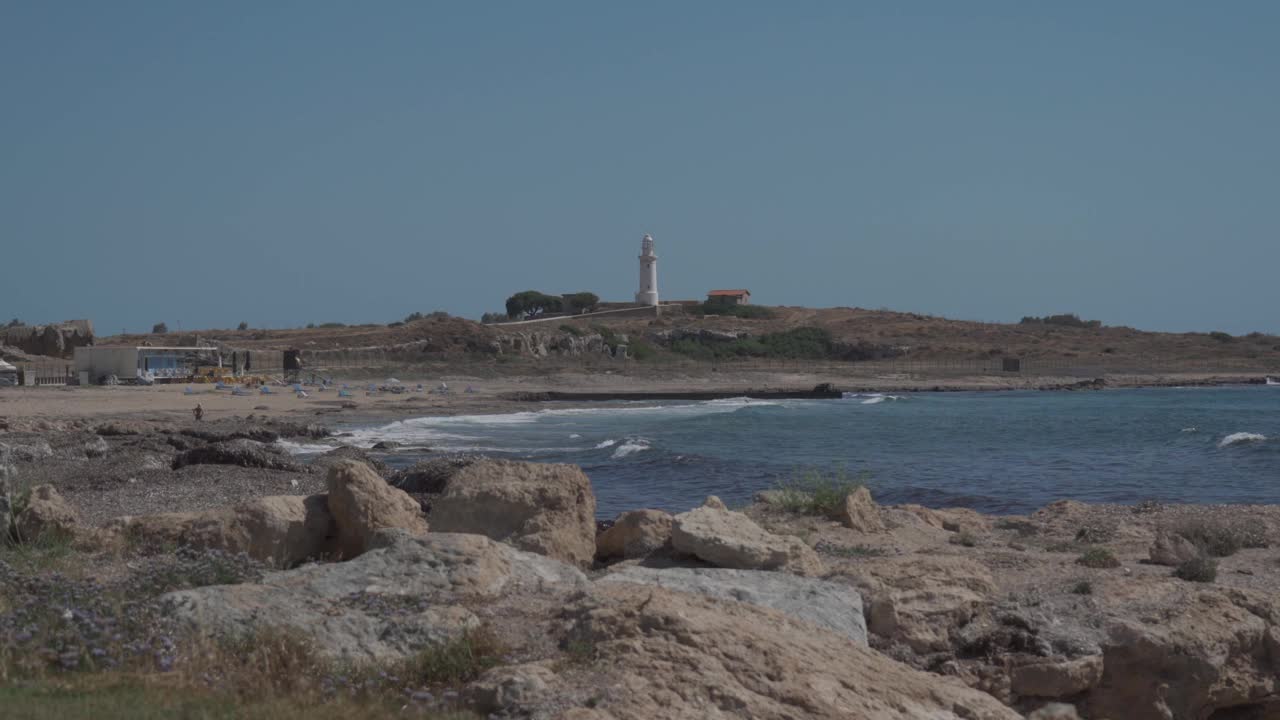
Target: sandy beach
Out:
[21,405]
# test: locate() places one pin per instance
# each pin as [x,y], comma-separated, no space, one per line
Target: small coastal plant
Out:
[457,660]
[1084,587]
[1098,558]
[817,493]
[850,551]
[1201,569]
[1219,537]
[580,650]
[965,538]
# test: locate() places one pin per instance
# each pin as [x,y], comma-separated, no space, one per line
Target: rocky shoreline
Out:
[795,606]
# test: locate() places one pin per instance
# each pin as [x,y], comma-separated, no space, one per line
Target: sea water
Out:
[1000,452]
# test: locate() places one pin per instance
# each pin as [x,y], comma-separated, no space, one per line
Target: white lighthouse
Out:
[648,292]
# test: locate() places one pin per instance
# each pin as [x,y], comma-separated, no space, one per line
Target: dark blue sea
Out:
[999,452]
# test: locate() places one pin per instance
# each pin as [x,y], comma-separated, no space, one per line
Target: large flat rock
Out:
[825,604]
[383,605]
[732,540]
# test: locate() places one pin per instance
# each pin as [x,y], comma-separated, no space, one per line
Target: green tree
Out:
[159,329]
[531,303]
[581,302]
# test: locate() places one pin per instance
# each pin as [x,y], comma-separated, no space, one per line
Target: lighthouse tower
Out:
[648,292]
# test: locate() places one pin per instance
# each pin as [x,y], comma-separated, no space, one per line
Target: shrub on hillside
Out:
[641,350]
[1223,538]
[802,343]
[747,312]
[1222,337]
[1201,569]
[1098,558]
[1063,320]
[571,330]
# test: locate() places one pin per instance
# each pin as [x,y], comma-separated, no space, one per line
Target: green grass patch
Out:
[117,697]
[571,330]
[850,551]
[816,492]
[580,651]
[458,660]
[50,552]
[1098,558]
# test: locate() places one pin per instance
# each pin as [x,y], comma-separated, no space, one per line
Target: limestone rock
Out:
[96,448]
[729,539]
[385,605]
[281,530]
[241,452]
[548,509]
[362,503]
[923,514]
[635,534]
[714,502]
[860,512]
[1056,679]
[1172,549]
[512,688]
[46,514]
[918,600]
[1055,711]
[1207,655]
[826,604]
[336,455]
[963,519]
[6,499]
[125,427]
[431,476]
[679,657]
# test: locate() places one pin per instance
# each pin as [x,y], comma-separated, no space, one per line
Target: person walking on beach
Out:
[198,412]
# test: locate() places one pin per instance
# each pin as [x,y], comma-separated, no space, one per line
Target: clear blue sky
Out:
[291,162]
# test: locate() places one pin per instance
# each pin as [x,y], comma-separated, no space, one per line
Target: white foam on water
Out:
[296,448]
[1241,437]
[444,432]
[874,398]
[871,398]
[630,447]
[574,436]
[1188,429]
[605,444]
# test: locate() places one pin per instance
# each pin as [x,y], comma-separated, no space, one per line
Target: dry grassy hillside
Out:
[916,336]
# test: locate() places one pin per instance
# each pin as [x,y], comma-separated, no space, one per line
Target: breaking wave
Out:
[630,447]
[870,398]
[1241,437]
[605,444]
[296,448]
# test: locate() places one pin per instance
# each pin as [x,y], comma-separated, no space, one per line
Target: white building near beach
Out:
[648,293]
